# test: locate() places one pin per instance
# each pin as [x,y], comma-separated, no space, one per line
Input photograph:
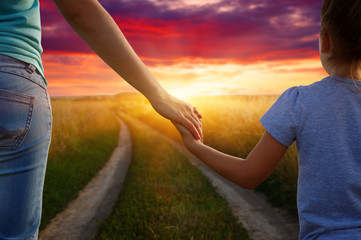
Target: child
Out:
[324,119]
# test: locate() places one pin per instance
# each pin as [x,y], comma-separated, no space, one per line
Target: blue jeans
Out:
[25,131]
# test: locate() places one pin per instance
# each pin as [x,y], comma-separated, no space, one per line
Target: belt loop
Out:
[30,68]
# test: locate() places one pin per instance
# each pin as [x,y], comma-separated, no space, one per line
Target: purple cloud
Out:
[244,30]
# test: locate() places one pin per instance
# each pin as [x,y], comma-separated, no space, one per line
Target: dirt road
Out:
[94,203]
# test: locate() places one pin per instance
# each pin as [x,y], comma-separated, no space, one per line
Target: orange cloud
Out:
[80,74]
[86,74]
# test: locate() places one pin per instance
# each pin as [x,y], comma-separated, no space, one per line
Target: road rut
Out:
[94,203]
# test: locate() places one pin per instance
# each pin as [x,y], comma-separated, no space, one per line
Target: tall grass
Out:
[231,124]
[83,136]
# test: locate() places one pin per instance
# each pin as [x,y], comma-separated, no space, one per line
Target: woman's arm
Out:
[98,29]
[246,173]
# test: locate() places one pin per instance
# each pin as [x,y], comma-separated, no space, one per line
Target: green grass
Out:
[165,197]
[84,136]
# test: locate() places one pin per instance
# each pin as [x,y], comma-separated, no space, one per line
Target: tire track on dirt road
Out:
[94,203]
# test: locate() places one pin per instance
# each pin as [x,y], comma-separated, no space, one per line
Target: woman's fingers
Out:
[195,110]
[200,132]
[197,123]
[198,118]
[194,123]
[192,127]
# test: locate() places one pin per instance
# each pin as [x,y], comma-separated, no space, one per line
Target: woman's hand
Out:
[179,112]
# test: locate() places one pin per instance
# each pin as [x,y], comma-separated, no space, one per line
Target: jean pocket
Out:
[16,110]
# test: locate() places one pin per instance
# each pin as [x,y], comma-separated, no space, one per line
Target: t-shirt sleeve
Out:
[282,119]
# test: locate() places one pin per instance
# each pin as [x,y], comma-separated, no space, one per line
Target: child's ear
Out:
[325,41]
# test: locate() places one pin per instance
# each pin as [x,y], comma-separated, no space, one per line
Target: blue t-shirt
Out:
[20,31]
[324,119]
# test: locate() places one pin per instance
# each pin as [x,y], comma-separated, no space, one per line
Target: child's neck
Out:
[342,71]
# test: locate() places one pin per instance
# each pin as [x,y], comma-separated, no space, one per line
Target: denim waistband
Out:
[20,68]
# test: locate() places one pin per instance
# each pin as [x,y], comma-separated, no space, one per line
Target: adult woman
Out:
[25,119]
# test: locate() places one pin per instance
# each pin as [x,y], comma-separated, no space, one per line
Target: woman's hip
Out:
[25,132]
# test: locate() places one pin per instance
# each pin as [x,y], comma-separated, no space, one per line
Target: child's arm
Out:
[246,173]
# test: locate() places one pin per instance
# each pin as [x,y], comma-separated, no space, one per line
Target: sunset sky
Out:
[193,47]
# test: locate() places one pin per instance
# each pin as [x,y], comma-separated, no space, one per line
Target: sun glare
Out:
[184,93]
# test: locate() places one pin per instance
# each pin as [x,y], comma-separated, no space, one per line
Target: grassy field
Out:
[165,197]
[84,134]
[231,124]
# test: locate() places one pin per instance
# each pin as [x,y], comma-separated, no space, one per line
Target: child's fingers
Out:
[179,127]
[182,130]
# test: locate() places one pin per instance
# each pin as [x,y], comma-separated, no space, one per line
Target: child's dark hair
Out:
[342,19]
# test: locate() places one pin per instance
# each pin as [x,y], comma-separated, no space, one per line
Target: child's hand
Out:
[187,137]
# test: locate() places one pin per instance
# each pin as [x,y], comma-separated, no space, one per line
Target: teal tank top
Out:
[20,31]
